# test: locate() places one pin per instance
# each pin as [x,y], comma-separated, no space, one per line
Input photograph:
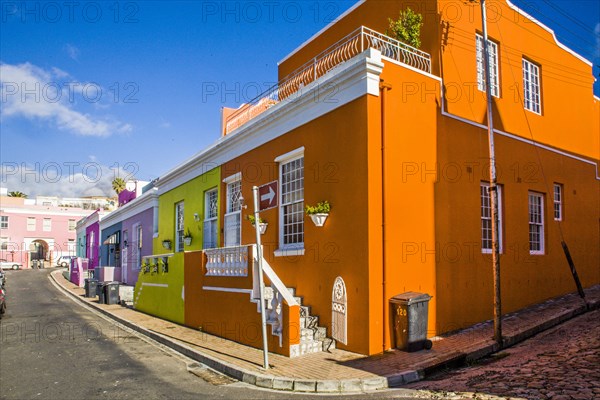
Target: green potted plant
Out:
[318,213]
[187,237]
[407,28]
[145,266]
[262,224]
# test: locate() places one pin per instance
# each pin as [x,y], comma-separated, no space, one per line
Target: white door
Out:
[339,311]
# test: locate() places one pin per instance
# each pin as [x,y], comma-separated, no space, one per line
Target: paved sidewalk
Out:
[340,371]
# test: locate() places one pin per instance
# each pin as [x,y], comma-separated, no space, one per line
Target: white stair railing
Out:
[278,293]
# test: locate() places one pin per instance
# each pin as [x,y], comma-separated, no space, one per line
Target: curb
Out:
[342,386]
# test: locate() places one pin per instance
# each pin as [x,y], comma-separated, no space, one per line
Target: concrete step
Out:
[327,344]
[309,322]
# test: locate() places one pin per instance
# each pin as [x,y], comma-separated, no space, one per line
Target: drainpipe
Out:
[383,88]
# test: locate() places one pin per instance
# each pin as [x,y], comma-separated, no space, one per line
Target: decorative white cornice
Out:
[353,79]
[136,206]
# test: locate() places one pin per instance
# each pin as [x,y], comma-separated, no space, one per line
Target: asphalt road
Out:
[53,348]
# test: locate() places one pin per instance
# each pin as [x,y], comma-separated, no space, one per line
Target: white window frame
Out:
[558,202]
[71,246]
[232,221]
[3,221]
[294,248]
[485,216]
[179,225]
[4,242]
[91,246]
[211,219]
[493,66]
[72,224]
[537,221]
[532,97]
[31,224]
[47,224]
[137,245]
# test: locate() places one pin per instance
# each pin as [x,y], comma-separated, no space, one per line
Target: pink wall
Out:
[19,238]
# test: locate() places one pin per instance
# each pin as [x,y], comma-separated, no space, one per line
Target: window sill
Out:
[289,252]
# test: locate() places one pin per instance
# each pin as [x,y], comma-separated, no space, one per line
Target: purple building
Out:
[134,225]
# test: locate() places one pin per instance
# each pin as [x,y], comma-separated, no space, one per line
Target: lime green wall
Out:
[161,294]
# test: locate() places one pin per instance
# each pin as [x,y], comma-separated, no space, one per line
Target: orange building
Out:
[396,140]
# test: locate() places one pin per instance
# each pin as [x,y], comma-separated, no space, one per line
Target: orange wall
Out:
[373,14]
[231,315]
[464,278]
[563,76]
[335,151]
[410,203]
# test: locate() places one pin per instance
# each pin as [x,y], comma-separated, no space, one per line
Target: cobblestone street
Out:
[561,363]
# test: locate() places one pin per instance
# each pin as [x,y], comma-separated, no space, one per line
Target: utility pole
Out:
[493,190]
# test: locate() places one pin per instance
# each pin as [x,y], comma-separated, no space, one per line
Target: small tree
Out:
[17,194]
[407,28]
[118,184]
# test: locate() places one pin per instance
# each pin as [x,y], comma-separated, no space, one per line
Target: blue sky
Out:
[137,86]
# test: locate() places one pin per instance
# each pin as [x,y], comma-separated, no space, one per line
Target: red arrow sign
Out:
[267,196]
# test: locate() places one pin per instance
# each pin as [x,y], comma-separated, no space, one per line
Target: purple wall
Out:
[92,252]
[126,196]
[146,220]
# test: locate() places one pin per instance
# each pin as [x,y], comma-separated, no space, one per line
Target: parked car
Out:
[64,261]
[2,279]
[4,264]
[2,301]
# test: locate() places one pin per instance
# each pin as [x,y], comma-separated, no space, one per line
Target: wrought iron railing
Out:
[350,46]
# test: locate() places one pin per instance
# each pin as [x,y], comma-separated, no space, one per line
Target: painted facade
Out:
[161,292]
[396,140]
[30,231]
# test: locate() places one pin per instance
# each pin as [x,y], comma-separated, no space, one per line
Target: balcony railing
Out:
[350,46]
[227,261]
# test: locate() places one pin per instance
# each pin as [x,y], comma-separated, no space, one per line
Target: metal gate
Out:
[339,311]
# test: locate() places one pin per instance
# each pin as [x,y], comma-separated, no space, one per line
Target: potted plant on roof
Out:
[262,224]
[318,213]
[187,237]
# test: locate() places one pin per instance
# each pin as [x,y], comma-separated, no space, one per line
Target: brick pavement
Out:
[340,371]
[561,364]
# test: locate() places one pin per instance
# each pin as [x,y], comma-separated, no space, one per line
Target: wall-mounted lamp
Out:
[242,204]
[196,217]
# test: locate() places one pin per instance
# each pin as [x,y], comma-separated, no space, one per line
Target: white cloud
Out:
[72,51]
[63,180]
[31,92]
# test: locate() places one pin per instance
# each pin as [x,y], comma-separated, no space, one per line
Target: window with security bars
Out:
[233,215]
[179,227]
[531,87]
[493,67]
[558,206]
[486,218]
[536,223]
[292,204]
[211,213]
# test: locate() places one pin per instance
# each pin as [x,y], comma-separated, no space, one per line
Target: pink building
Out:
[29,231]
